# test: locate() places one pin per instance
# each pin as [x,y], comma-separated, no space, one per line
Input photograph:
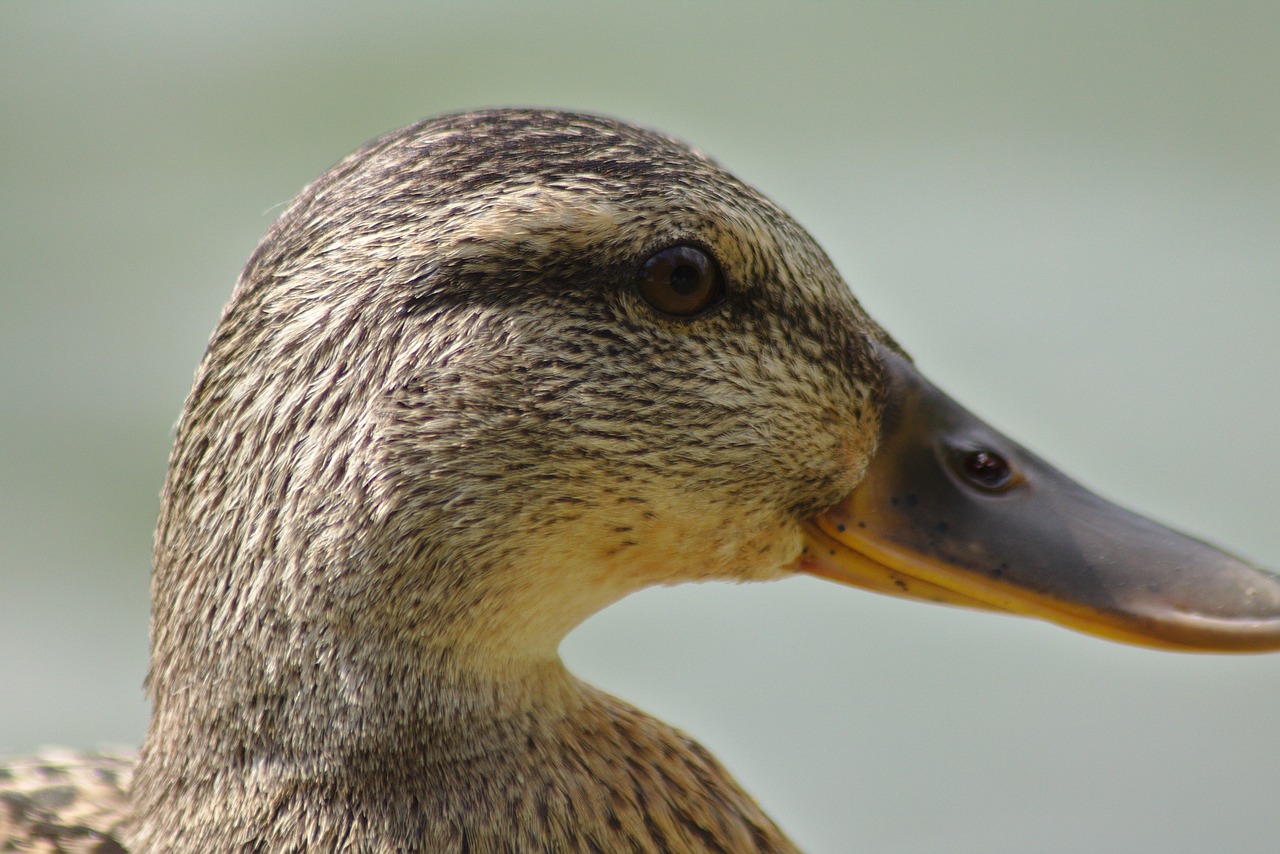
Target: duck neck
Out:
[347,719]
[312,693]
[431,706]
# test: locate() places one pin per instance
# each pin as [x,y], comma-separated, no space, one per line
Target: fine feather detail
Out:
[60,802]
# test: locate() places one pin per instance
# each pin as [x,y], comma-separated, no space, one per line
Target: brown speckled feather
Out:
[64,803]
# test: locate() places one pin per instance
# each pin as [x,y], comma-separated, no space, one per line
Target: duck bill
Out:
[952,511]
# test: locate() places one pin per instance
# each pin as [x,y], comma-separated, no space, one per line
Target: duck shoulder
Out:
[606,778]
[626,781]
[65,802]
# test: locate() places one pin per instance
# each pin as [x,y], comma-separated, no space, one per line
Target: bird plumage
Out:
[437,426]
[434,430]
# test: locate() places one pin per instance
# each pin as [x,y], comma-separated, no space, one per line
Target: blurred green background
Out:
[1069,213]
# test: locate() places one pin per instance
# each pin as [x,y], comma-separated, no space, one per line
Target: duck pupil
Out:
[987,469]
[684,279]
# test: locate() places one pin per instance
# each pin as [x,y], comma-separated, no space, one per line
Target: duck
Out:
[489,374]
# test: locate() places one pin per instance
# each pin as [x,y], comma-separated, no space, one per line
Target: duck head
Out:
[497,370]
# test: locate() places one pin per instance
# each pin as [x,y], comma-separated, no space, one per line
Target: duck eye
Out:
[682,281]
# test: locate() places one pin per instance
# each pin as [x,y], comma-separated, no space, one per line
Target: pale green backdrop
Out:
[1070,213]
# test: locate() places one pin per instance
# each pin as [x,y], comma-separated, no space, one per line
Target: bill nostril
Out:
[985,469]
